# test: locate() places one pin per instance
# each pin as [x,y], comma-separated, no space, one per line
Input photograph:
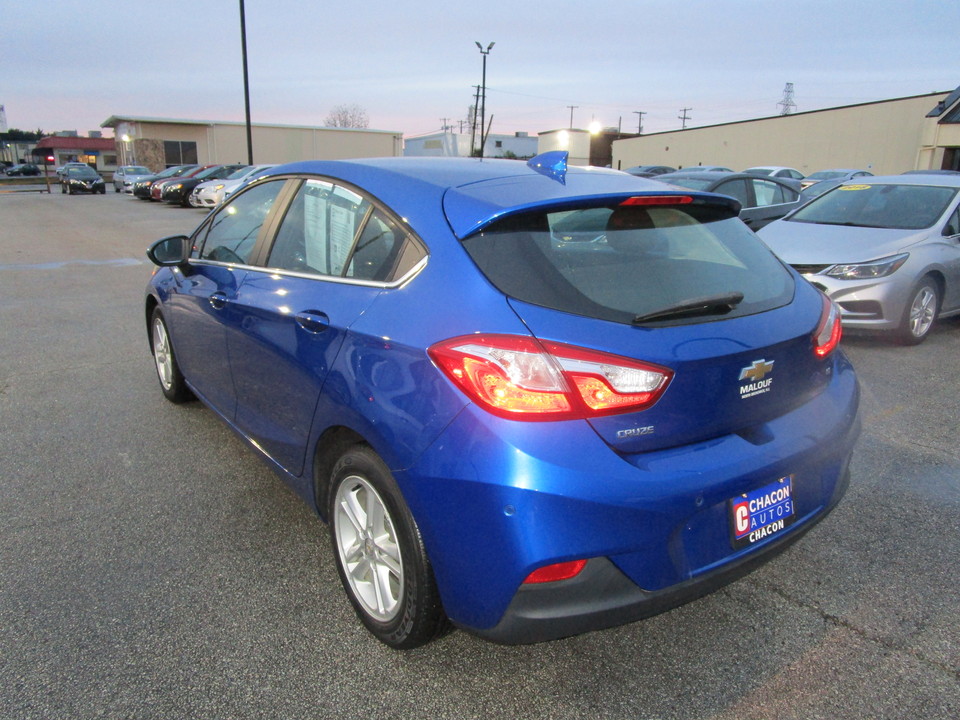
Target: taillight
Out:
[555,572]
[827,335]
[519,377]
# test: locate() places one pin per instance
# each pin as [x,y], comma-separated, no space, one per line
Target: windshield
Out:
[622,263]
[82,172]
[136,170]
[902,207]
[213,172]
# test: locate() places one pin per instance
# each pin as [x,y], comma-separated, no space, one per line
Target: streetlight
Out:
[126,150]
[483,96]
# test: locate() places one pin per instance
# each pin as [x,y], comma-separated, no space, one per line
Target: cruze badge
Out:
[634,432]
[756,379]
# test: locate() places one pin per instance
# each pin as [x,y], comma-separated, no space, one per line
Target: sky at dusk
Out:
[413,66]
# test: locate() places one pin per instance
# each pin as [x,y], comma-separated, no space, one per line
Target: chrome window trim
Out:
[407,277]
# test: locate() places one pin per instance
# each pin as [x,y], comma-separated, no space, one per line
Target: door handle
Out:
[218,301]
[313,321]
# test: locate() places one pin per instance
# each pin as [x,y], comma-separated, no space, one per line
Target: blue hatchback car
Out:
[529,401]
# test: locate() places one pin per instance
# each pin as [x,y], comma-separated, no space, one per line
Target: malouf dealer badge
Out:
[754,380]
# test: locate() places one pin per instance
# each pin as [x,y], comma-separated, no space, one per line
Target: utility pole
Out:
[786,104]
[572,108]
[684,117]
[639,121]
[473,122]
[483,98]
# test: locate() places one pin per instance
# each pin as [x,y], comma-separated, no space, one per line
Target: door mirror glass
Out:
[173,250]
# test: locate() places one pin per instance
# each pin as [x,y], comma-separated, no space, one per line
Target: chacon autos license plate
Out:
[766,511]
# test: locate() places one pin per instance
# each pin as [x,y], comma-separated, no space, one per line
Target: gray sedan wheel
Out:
[920,313]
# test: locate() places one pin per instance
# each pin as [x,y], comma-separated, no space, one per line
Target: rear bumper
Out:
[601,596]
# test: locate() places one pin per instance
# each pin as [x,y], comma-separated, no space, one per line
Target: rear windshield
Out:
[826,175]
[902,207]
[693,183]
[622,263]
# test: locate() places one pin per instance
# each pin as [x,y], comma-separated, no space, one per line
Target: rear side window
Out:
[771,193]
[619,263]
[332,230]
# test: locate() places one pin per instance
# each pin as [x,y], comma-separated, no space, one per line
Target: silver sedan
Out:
[885,249]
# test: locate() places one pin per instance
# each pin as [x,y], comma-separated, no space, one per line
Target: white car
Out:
[212,193]
[126,175]
[776,171]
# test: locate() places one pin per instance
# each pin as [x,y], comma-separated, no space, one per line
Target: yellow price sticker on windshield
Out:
[854,187]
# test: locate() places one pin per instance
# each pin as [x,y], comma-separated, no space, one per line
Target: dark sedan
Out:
[23,169]
[142,188]
[82,180]
[178,192]
[763,199]
[648,171]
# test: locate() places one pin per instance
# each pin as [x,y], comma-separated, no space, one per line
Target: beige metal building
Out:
[159,142]
[921,132]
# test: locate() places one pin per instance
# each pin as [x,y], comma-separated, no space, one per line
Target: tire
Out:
[379,553]
[115,189]
[920,313]
[63,189]
[165,360]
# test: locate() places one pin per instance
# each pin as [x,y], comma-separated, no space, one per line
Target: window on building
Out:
[178,152]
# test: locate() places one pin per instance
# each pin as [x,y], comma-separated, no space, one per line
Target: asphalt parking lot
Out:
[153,567]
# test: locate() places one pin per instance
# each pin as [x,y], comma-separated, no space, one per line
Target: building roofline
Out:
[115,120]
[75,142]
[944,105]
[805,112]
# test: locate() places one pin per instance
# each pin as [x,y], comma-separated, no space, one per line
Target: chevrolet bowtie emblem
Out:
[757,371]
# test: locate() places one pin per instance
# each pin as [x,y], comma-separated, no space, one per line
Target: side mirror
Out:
[170,251]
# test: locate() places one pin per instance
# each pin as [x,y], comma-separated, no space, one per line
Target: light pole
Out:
[483,97]
[246,82]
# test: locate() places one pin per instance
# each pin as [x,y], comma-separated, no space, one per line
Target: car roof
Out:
[475,192]
[713,175]
[938,180]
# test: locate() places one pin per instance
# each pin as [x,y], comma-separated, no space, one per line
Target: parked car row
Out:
[766,193]
[201,186]
[886,249]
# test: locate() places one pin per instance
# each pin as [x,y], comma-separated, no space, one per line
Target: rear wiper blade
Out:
[713,304]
